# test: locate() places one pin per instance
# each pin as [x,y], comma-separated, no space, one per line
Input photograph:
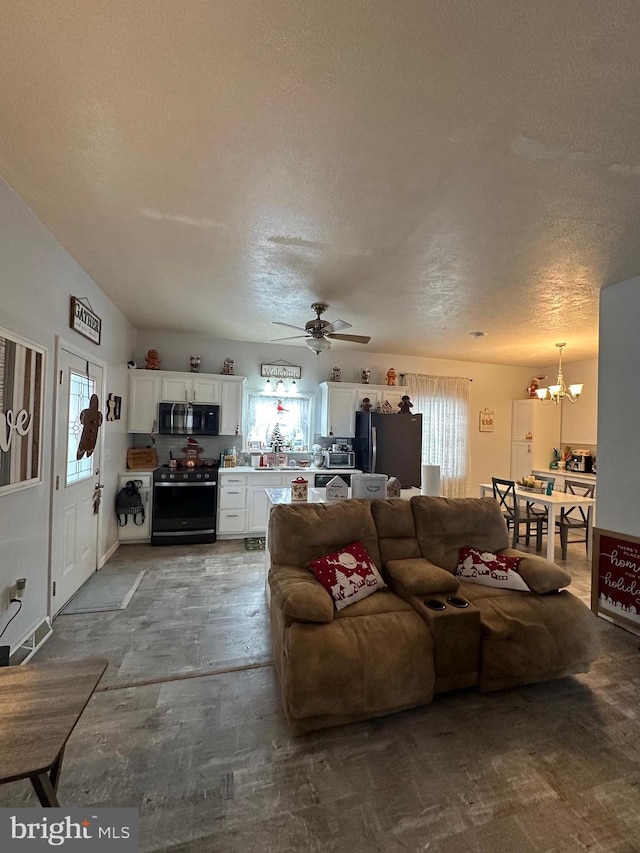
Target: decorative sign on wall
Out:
[84,320]
[615,586]
[22,371]
[486,421]
[281,370]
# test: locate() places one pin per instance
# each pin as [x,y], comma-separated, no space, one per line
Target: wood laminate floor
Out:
[187,726]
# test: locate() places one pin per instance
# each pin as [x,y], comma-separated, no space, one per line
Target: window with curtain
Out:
[291,414]
[444,404]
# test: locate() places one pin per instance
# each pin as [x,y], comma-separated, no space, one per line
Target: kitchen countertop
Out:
[565,472]
[318,496]
[287,469]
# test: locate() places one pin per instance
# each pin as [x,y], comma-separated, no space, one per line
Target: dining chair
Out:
[504,491]
[575,517]
[542,512]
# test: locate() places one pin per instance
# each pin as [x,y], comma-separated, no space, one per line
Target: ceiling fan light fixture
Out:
[318,345]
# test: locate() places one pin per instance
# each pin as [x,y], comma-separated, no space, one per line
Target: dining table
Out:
[555,502]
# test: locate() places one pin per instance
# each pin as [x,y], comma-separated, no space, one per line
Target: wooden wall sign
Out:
[486,421]
[22,372]
[85,321]
[615,580]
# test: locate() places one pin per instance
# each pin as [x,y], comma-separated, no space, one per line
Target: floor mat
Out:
[104,592]
[255,543]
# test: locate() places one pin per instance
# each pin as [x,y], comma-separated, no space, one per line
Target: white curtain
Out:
[443,402]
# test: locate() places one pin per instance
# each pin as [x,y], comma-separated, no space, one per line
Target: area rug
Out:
[255,543]
[104,592]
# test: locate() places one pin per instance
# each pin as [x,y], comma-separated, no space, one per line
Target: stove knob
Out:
[163,476]
[206,476]
[172,476]
[185,476]
[198,476]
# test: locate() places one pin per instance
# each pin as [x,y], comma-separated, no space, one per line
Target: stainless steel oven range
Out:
[184,505]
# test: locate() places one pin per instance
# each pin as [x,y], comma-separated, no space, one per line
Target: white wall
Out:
[579,427]
[38,279]
[493,387]
[619,409]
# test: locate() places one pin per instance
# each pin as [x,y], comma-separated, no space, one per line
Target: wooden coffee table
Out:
[40,704]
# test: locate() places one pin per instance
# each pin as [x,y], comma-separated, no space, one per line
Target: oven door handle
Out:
[195,483]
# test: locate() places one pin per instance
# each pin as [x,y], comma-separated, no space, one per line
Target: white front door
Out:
[74,539]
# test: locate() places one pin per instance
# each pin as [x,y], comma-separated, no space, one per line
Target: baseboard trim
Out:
[109,553]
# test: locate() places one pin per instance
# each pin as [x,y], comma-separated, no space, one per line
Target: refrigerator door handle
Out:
[374,448]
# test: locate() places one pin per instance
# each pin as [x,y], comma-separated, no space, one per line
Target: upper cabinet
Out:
[231,405]
[341,400]
[190,388]
[338,409]
[532,419]
[144,393]
[147,388]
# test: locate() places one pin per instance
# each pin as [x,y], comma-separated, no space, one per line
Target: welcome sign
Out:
[616,577]
[22,366]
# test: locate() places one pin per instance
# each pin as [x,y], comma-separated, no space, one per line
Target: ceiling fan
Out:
[318,332]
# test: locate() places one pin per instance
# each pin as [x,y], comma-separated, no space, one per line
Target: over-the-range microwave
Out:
[188,419]
[339,459]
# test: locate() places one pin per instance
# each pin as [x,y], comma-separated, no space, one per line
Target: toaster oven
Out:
[339,459]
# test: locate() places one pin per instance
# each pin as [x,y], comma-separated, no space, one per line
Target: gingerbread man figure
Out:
[391,376]
[152,360]
[405,405]
[366,404]
[91,420]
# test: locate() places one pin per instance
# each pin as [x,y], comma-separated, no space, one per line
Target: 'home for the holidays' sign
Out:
[616,580]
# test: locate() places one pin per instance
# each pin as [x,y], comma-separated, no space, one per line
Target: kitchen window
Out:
[290,416]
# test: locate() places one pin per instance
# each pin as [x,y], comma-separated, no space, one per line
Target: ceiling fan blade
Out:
[356,339]
[337,325]
[290,338]
[288,325]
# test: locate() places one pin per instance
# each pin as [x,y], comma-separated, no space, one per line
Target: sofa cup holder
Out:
[434,604]
[456,601]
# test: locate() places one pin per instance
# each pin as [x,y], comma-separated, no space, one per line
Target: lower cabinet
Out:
[243,508]
[132,532]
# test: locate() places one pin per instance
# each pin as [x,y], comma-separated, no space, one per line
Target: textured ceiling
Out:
[428,168]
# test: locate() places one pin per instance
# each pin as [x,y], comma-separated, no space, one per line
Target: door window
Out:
[81,387]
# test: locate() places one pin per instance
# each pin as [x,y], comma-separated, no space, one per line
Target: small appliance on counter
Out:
[339,459]
[581,461]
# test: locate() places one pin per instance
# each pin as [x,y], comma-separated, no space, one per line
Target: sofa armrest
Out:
[421,577]
[540,575]
[299,595]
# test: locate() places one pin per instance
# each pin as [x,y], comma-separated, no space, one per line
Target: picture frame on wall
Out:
[486,422]
[114,407]
[22,378]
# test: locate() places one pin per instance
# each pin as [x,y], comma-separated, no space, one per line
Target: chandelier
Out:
[555,393]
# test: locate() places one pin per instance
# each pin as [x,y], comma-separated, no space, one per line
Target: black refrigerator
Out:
[391,445]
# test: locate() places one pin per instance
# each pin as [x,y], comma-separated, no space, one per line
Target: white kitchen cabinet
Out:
[521,456]
[258,507]
[132,532]
[535,425]
[232,504]
[231,405]
[190,388]
[341,400]
[144,393]
[338,409]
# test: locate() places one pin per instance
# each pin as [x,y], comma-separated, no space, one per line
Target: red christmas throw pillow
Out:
[348,575]
[489,569]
